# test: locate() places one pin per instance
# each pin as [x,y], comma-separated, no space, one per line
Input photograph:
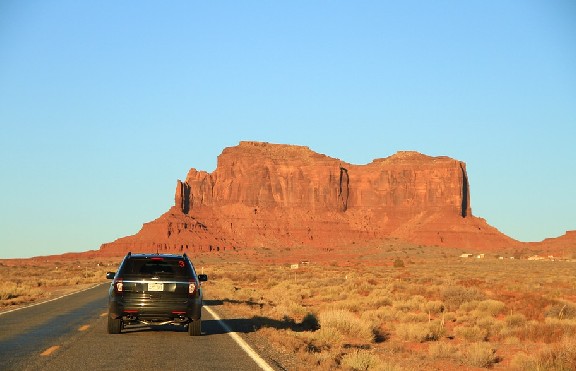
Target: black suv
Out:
[155,289]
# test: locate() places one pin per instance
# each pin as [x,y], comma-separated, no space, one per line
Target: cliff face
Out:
[279,176]
[274,195]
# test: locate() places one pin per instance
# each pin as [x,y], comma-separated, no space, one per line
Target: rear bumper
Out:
[119,307]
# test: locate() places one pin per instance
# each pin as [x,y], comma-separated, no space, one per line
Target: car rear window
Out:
[165,267]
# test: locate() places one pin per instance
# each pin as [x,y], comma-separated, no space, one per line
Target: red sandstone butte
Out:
[274,195]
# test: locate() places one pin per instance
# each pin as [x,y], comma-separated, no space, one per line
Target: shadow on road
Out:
[243,325]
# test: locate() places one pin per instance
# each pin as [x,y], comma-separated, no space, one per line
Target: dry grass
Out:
[366,311]
[26,280]
[435,312]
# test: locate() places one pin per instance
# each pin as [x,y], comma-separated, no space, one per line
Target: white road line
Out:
[53,299]
[251,353]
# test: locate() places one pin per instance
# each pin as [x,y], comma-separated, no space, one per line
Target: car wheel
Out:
[195,328]
[114,325]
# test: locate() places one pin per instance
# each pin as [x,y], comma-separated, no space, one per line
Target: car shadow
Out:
[216,302]
[225,326]
[240,325]
[247,325]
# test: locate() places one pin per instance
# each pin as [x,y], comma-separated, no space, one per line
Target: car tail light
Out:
[191,287]
[118,285]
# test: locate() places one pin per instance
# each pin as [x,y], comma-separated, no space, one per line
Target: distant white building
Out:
[466,255]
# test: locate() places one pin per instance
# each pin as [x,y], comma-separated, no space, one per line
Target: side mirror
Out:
[202,277]
[110,275]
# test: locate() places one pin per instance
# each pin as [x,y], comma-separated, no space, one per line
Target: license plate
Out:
[155,286]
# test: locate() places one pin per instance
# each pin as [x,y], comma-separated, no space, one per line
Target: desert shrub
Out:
[360,359]
[327,338]
[455,296]
[383,314]
[433,307]
[398,263]
[376,301]
[548,332]
[515,320]
[380,298]
[442,350]
[471,334]
[420,332]
[290,309]
[281,339]
[492,326]
[492,307]
[320,361]
[531,305]
[412,331]
[524,362]
[562,310]
[347,324]
[480,355]
[436,330]
[413,317]
[557,357]
[355,306]
[468,306]
[10,290]
[411,304]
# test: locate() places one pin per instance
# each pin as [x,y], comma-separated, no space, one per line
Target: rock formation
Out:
[275,195]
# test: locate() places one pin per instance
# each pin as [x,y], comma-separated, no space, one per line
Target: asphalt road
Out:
[70,334]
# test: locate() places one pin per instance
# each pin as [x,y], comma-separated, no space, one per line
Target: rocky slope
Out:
[273,195]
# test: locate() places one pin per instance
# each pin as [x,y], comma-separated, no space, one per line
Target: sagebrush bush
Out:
[442,350]
[411,304]
[548,332]
[492,307]
[433,307]
[480,355]
[492,326]
[327,338]
[347,324]
[471,334]
[515,320]
[556,357]
[360,360]
[455,296]
[420,332]
[562,310]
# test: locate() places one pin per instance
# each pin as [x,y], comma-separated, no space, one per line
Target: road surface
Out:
[70,334]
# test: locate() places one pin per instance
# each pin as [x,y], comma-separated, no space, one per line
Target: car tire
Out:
[195,328]
[114,325]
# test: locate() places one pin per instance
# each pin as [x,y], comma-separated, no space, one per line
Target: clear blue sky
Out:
[105,104]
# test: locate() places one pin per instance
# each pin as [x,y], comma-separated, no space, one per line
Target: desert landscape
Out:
[381,266]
